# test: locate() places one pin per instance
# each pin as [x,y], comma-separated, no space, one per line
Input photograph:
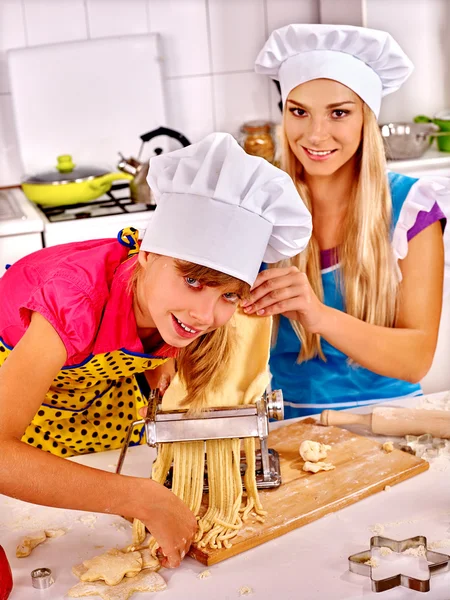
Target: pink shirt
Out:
[82,290]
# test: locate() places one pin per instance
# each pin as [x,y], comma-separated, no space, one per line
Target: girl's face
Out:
[323,122]
[180,308]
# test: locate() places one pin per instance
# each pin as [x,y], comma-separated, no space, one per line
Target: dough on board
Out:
[318,466]
[313,451]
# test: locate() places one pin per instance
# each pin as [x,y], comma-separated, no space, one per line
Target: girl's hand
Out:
[160,378]
[286,291]
[170,522]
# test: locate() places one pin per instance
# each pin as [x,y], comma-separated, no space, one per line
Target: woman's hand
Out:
[170,522]
[286,291]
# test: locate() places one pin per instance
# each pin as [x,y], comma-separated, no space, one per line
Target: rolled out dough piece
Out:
[112,566]
[313,451]
[145,581]
[28,544]
[318,466]
[149,561]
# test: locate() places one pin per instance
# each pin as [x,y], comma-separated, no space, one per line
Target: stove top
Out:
[116,202]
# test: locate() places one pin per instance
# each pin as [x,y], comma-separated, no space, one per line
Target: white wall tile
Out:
[115,17]
[190,107]
[183,28]
[12,35]
[422,32]
[350,12]
[240,97]
[52,21]
[285,12]
[10,166]
[237,33]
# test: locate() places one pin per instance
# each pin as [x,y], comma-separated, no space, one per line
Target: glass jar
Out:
[257,139]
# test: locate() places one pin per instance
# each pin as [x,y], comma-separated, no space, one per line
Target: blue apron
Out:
[315,385]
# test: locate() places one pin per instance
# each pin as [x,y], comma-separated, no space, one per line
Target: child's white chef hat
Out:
[368,61]
[221,208]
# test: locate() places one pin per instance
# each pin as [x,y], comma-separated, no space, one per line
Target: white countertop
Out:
[433,160]
[309,563]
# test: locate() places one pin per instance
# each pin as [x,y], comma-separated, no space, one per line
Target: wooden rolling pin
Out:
[389,420]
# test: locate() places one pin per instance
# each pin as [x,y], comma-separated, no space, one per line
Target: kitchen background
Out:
[208,49]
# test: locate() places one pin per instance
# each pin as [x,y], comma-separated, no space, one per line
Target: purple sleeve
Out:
[426,218]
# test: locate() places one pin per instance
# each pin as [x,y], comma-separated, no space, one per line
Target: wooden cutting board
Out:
[362,469]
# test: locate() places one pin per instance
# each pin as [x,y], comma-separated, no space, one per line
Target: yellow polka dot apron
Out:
[90,406]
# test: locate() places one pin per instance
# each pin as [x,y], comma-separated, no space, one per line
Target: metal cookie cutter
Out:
[249,420]
[437,563]
[42,579]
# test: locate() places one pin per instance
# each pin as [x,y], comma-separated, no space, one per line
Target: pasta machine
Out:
[250,420]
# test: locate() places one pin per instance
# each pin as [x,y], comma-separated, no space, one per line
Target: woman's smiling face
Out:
[323,122]
[181,308]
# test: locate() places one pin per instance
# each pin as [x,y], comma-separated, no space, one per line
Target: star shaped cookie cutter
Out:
[437,563]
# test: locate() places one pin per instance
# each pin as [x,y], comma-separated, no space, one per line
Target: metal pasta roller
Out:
[250,420]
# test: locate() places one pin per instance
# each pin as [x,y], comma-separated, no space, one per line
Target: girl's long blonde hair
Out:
[203,363]
[368,276]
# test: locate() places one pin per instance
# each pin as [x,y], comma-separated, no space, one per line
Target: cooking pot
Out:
[442,120]
[69,184]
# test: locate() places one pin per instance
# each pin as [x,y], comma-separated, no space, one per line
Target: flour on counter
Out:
[245,591]
[204,575]
[377,529]
[385,551]
[417,551]
[373,562]
[439,544]
[88,520]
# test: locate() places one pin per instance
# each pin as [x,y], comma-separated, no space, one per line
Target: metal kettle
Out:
[140,191]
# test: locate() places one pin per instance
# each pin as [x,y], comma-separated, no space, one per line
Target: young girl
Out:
[78,321]
[360,308]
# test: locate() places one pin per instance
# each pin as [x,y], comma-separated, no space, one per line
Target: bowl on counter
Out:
[403,141]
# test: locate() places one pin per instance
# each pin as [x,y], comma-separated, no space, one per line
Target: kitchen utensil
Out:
[437,563]
[393,420]
[6,580]
[407,140]
[362,469]
[442,120]
[81,95]
[251,420]
[139,188]
[69,184]
[42,578]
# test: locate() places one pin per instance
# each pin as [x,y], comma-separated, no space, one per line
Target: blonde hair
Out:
[202,364]
[368,276]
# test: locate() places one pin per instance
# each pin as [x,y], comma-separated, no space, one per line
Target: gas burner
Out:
[117,201]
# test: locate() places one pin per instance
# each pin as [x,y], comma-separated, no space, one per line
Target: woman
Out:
[78,321]
[360,308]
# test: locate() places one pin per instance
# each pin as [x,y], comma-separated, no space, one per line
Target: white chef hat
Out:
[368,61]
[221,208]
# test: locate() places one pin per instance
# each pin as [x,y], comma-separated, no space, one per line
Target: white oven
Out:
[21,227]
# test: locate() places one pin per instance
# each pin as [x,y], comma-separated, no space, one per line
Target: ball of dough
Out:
[313,451]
